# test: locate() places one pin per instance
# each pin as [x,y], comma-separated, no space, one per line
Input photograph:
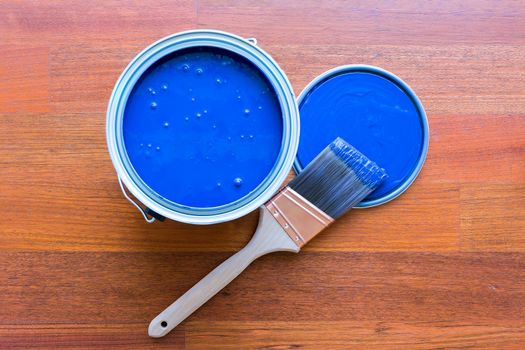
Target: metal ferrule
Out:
[299,218]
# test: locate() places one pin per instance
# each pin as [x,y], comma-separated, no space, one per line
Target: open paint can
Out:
[202,127]
[376,112]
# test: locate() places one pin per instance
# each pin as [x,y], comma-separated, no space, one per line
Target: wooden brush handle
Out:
[269,237]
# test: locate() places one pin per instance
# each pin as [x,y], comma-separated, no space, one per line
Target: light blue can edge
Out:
[424,121]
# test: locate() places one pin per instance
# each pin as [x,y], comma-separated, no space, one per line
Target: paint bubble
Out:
[193,99]
[237,182]
[166,124]
[187,118]
[238,97]
[199,71]
[251,136]
[198,115]
[164,87]
[205,111]
[153,105]
[214,126]
[141,145]
[149,145]
[246,111]
[229,138]
[158,148]
[190,89]
[185,67]
[219,184]
[218,81]
[259,108]
[242,136]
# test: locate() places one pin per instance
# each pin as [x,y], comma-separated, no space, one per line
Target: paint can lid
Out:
[373,110]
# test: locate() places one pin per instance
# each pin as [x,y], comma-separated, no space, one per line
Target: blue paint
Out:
[203,127]
[371,112]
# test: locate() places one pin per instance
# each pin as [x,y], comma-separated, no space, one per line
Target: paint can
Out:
[373,110]
[154,205]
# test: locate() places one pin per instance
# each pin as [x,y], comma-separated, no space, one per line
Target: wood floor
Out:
[442,266]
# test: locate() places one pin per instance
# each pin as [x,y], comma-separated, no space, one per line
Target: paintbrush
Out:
[336,180]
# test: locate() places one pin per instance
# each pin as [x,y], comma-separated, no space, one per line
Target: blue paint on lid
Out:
[375,112]
[203,127]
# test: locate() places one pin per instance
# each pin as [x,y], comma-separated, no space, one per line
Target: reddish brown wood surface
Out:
[443,266]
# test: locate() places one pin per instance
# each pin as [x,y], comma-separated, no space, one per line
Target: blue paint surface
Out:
[203,128]
[373,114]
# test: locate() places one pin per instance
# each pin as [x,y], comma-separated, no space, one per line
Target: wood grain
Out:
[483,208]
[73,287]
[24,86]
[85,22]
[399,22]
[354,335]
[442,266]
[85,336]
[407,289]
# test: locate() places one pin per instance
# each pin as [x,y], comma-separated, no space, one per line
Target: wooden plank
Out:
[355,335]
[470,149]
[493,217]
[261,334]
[118,288]
[92,69]
[83,22]
[86,336]
[24,83]
[401,22]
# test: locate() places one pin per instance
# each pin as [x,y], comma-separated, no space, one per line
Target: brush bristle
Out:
[338,178]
